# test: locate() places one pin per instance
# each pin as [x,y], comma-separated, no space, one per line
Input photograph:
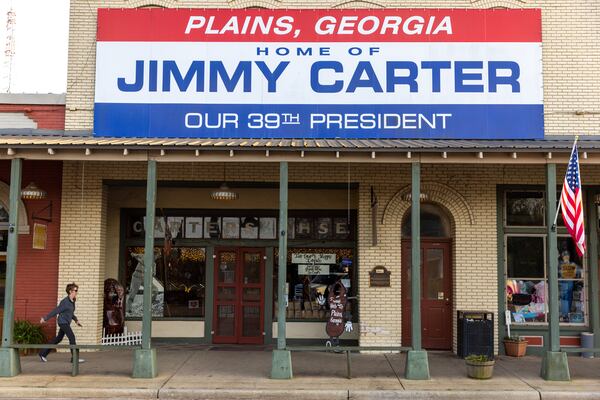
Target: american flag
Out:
[570,201]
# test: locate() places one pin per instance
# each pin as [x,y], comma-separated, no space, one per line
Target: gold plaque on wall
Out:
[39,236]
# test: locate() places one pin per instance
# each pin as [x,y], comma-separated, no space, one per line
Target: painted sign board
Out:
[388,73]
[313,258]
[313,269]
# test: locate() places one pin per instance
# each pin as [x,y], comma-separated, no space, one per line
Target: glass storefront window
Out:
[310,271]
[527,283]
[177,286]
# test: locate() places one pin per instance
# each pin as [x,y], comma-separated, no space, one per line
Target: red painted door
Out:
[239,296]
[436,294]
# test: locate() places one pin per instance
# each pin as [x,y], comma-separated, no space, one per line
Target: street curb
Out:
[76,392]
[445,394]
[258,394]
[560,395]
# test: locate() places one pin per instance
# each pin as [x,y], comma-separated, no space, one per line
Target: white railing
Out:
[122,339]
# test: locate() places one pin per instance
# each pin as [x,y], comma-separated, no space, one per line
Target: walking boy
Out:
[66,312]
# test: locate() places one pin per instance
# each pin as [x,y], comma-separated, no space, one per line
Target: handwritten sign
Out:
[568,270]
[337,304]
[313,258]
[313,269]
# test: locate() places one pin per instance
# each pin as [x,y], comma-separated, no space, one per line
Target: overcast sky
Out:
[41,36]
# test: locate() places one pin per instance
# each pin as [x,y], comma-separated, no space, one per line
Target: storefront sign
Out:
[379,277]
[227,227]
[313,258]
[313,269]
[390,73]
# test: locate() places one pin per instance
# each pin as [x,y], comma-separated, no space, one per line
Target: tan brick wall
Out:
[82,241]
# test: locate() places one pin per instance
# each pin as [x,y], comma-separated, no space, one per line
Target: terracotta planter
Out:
[480,369]
[515,348]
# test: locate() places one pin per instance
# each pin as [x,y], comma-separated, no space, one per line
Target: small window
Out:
[525,208]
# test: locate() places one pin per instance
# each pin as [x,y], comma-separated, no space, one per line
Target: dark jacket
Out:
[65,311]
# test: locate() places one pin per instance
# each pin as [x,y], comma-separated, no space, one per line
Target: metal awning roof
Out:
[75,139]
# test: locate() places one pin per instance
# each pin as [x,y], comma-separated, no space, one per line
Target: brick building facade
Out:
[470,185]
[38,268]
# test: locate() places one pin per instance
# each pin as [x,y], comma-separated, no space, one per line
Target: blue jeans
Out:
[65,329]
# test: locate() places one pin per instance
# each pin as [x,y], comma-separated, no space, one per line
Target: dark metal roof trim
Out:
[36,138]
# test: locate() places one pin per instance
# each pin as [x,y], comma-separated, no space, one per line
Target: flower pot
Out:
[515,348]
[480,369]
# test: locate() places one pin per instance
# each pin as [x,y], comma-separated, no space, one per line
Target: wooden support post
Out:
[594,280]
[144,365]
[555,366]
[281,367]
[417,365]
[10,364]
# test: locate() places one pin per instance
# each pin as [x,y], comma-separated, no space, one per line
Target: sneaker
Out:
[81,361]
[42,358]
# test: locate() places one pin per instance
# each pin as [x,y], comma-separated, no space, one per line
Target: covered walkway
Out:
[202,371]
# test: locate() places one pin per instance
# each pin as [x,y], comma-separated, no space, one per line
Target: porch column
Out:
[555,366]
[417,365]
[281,365]
[10,364]
[593,257]
[145,365]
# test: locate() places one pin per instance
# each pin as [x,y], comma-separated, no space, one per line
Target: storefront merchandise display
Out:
[526,300]
[178,282]
[311,273]
[135,298]
[114,313]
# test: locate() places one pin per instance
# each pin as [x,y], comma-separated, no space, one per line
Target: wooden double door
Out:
[436,294]
[239,296]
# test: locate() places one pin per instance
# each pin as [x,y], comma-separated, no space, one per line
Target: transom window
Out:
[434,222]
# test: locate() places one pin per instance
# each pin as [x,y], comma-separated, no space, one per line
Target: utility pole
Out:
[9,46]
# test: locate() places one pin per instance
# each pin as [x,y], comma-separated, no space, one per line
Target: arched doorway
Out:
[436,278]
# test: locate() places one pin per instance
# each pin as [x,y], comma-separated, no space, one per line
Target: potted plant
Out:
[26,332]
[479,366]
[515,346]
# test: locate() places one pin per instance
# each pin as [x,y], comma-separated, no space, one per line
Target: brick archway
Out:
[453,202]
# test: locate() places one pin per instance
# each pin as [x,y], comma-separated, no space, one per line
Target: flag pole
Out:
[559,203]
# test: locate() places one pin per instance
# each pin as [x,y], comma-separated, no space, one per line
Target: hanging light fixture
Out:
[224,193]
[408,196]
[33,192]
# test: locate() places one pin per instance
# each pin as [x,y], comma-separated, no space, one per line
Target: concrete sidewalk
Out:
[205,372]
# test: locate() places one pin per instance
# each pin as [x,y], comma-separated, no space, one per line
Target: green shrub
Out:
[515,338]
[26,332]
[477,358]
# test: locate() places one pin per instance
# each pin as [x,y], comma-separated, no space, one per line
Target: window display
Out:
[570,283]
[310,271]
[177,284]
[526,282]
[526,263]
